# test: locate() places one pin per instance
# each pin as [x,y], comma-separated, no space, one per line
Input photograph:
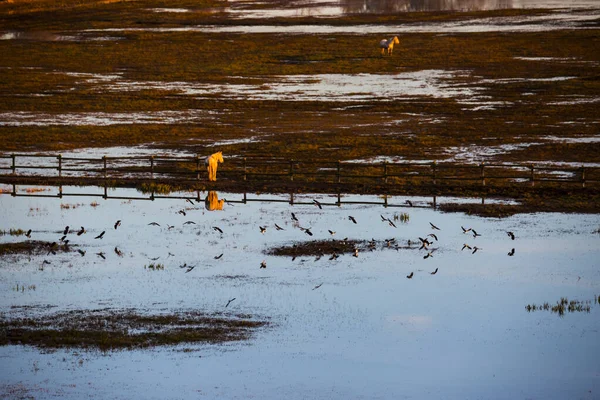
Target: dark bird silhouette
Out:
[331,232]
[184,265]
[216,228]
[410,204]
[475,248]
[466,246]
[117,224]
[81,231]
[154,223]
[383,218]
[155,258]
[351,218]
[512,252]
[318,286]
[100,235]
[118,252]
[308,232]
[170,226]
[66,242]
[426,256]
[318,204]
[182,212]
[101,255]
[279,228]
[475,234]
[511,235]
[263,264]
[219,256]
[82,252]
[189,222]
[28,234]
[391,223]
[66,231]
[229,302]
[171,254]
[424,243]
[434,272]
[262,229]
[434,227]
[62,239]
[46,262]
[189,201]
[433,236]
[410,275]
[294,217]
[465,230]
[190,268]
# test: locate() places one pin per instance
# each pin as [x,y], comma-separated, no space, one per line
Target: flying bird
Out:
[512,252]
[426,256]
[118,252]
[465,230]
[511,235]
[391,223]
[410,275]
[294,217]
[263,264]
[66,231]
[184,265]
[475,248]
[117,224]
[466,246]
[318,286]
[410,204]
[318,204]
[100,235]
[262,229]
[154,223]
[229,302]
[475,234]
[434,272]
[155,258]
[189,201]
[190,268]
[216,228]
[62,239]
[308,232]
[331,232]
[434,227]
[82,252]
[81,231]
[101,254]
[279,228]
[433,236]
[28,234]
[182,212]
[351,218]
[189,222]
[219,256]
[383,218]
[170,226]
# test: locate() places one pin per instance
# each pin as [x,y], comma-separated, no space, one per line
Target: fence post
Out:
[582,176]
[434,172]
[14,164]
[198,168]
[482,174]
[59,157]
[385,172]
[339,175]
[532,178]
[291,170]
[151,167]
[104,161]
[245,170]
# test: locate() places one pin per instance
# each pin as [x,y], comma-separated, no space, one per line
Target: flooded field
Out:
[464,325]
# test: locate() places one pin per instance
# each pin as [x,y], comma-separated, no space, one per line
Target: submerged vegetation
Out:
[110,329]
[564,305]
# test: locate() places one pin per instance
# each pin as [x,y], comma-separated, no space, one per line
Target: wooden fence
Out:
[136,168]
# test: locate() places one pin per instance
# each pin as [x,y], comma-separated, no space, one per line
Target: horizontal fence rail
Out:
[135,168]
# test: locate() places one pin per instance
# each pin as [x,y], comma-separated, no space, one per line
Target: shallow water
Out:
[366,332]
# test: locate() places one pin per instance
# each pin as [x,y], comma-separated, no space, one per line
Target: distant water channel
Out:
[344,328]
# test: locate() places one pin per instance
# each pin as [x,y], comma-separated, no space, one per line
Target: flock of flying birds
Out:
[425,243]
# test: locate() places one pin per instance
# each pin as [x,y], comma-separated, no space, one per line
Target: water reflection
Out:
[212,202]
[385,6]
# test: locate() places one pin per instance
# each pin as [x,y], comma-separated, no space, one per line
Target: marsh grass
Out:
[124,329]
[564,305]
